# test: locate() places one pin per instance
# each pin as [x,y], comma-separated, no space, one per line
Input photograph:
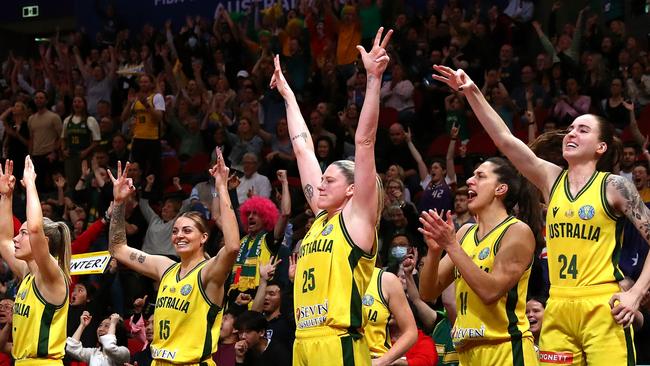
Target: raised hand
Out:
[233,182]
[408,135]
[115,318]
[7,179]
[376,61]
[59,182]
[293,262]
[139,303]
[85,318]
[453,133]
[85,169]
[438,234]
[278,81]
[220,171]
[122,186]
[456,80]
[282,176]
[150,179]
[267,271]
[29,173]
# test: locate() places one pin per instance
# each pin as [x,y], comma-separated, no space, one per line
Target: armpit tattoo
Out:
[309,192]
[302,134]
[633,208]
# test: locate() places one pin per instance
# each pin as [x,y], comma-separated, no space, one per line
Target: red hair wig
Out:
[264,207]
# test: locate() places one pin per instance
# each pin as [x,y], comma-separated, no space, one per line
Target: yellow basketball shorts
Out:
[579,329]
[323,347]
[516,352]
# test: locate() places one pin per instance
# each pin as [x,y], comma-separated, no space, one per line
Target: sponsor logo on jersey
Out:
[586,212]
[555,210]
[459,335]
[558,358]
[569,213]
[311,315]
[164,354]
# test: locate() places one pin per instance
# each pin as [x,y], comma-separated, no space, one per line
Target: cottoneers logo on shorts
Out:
[558,358]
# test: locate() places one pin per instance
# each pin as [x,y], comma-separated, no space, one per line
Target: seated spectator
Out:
[225,355]
[638,85]
[111,350]
[144,358]
[248,142]
[275,301]
[253,347]
[398,94]
[324,152]
[572,104]
[252,183]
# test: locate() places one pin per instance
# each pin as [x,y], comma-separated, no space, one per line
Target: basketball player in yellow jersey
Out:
[587,315]
[385,299]
[187,316]
[337,255]
[147,108]
[40,255]
[490,264]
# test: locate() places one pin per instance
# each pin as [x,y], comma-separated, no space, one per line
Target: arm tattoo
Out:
[309,192]
[633,207]
[117,229]
[302,134]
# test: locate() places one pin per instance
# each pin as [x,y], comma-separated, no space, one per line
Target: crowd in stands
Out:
[165,98]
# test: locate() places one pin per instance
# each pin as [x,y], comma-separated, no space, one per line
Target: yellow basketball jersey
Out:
[332,275]
[186,323]
[376,314]
[583,235]
[503,320]
[39,328]
[145,127]
[253,251]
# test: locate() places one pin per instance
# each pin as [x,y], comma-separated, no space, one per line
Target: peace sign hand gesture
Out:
[376,61]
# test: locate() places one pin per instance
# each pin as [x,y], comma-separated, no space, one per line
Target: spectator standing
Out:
[252,183]
[17,136]
[79,137]
[45,129]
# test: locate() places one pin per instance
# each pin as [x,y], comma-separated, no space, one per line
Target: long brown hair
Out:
[59,241]
[548,146]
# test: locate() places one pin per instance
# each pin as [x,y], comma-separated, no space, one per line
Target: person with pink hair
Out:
[264,226]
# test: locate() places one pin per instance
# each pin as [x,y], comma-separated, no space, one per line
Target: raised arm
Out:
[451,150]
[540,172]
[623,196]
[216,271]
[152,266]
[303,146]
[422,167]
[7,249]
[48,268]
[285,205]
[364,203]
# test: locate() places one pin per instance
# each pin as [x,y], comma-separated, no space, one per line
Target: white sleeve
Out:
[117,354]
[158,102]
[65,125]
[74,348]
[264,187]
[93,126]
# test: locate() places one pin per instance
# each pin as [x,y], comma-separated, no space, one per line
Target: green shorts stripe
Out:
[347,349]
